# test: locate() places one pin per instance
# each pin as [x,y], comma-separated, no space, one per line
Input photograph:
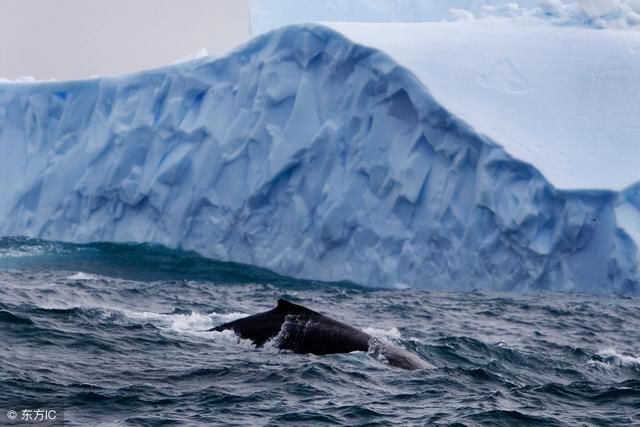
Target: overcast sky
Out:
[68,39]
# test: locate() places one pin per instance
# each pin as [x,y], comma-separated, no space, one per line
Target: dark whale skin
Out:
[302,330]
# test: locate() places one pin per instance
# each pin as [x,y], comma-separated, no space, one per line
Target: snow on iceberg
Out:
[310,155]
[267,15]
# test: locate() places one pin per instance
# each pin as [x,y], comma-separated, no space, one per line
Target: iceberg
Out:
[317,157]
[564,99]
[267,15]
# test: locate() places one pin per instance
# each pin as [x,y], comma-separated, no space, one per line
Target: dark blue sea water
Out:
[116,335]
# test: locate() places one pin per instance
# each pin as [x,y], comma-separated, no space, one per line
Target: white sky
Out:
[68,39]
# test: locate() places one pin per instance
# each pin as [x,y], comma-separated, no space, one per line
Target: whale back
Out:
[307,331]
[261,327]
[300,330]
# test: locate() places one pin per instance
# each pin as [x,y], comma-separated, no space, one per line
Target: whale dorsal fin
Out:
[291,308]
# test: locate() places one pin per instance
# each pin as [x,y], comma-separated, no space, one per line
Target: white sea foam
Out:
[621,359]
[82,276]
[22,251]
[183,323]
[392,333]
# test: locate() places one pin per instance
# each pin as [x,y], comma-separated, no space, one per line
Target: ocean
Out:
[117,334]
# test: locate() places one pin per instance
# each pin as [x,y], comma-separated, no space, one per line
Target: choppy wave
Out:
[133,348]
[132,261]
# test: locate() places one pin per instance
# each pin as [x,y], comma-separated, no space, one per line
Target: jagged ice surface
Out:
[307,154]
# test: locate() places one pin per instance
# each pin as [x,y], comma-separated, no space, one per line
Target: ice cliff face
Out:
[310,155]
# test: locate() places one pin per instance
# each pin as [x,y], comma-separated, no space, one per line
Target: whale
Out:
[301,330]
